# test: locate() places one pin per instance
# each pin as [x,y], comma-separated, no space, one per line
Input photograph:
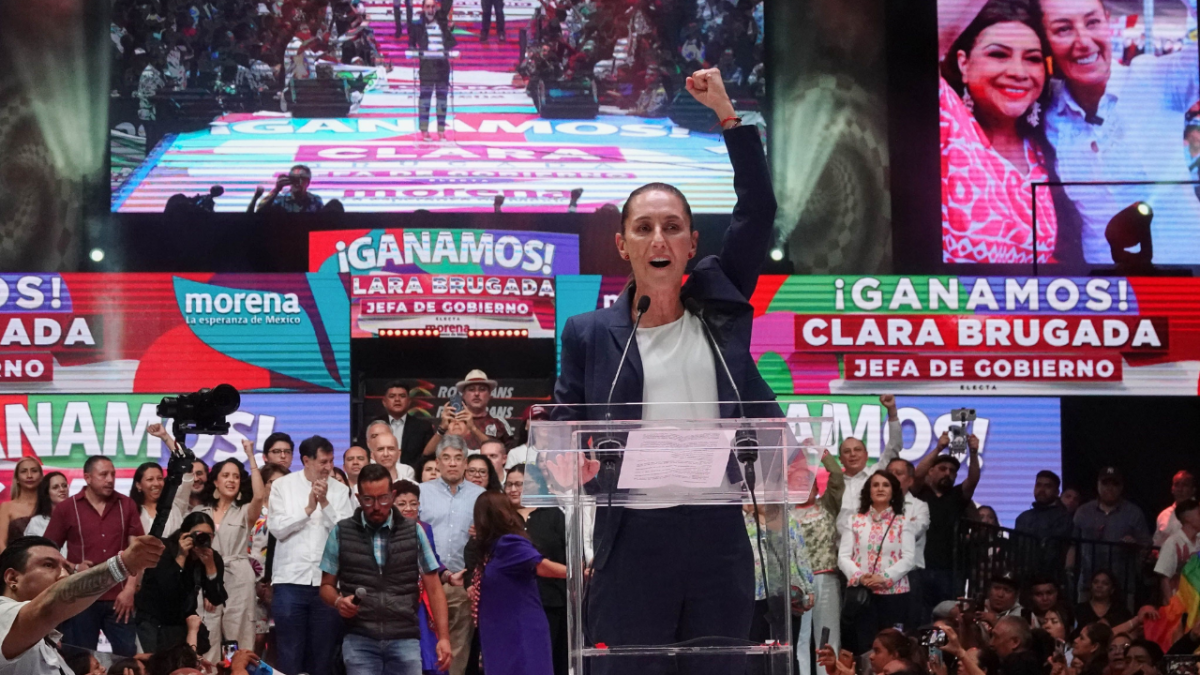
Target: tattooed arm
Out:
[69,596]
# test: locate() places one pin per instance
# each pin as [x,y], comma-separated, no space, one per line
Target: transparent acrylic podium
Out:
[598,471]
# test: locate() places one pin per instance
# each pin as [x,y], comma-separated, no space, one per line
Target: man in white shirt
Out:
[305,506]
[853,454]
[1183,488]
[1179,547]
[1120,123]
[40,593]
[385,451]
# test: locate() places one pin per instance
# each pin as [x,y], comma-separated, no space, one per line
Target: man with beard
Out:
[947,505]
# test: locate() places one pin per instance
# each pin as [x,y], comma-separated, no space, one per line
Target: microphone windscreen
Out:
[643,304]
[216,190]
[360,594]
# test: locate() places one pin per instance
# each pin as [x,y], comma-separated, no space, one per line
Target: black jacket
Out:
[168,592]
[721,284]
[418,36]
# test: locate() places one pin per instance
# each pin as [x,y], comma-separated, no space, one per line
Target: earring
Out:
[1035,114]
[966,99]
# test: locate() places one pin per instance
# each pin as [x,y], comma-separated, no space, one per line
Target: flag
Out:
[1185,603]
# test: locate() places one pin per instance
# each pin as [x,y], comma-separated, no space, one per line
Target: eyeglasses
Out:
[477,472]
[279,451]
[514,485]
[382,500]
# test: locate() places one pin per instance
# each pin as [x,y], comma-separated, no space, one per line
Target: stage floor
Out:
[496,144]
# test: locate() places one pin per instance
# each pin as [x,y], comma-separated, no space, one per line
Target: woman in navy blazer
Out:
[663,576]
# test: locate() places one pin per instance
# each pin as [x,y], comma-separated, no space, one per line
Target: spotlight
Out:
[777,254]
[96,254]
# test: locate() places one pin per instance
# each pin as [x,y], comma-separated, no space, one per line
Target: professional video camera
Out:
[202,412]
[958,429]
[181,204]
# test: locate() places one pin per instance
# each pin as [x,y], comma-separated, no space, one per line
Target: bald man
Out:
[385,451]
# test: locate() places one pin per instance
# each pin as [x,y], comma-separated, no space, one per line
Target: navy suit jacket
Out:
[722,285]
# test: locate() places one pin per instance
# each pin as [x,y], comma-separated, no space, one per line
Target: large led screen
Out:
[450,283]
[1017,437]
[983,336]
[63,430]
[1099,96]
[132,333]
[548,106]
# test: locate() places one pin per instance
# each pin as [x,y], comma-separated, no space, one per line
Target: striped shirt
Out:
[434,50]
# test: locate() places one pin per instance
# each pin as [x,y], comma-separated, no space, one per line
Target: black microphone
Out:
[359,594]
[642,305]
[607,445]
[745,440]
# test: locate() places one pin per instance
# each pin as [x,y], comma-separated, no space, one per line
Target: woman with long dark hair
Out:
[168,594]
[233,499]
[16,513]
[993,96]
[877,552]
[482,472]
[53,489]
[514,633]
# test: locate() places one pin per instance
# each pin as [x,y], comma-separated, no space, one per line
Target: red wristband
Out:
[730,119]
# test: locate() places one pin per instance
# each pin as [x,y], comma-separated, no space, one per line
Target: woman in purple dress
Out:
[512,624]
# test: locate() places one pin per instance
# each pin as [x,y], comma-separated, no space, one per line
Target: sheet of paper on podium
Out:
[685,458]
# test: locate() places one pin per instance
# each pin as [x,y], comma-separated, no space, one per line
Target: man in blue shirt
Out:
[448,505]
[382,554]
[1111,122]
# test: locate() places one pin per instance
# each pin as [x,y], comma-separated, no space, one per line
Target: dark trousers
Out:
[487,6]
[557,618]
[83,629]
[435,76]
[307,629]
[155,637]
[672,575]
[937,586]
[884,611]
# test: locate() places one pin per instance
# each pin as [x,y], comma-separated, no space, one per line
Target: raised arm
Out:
[750,229]
[895,441]
[258,488]
[972,480]
[835,486]
[70,596]
[930,457]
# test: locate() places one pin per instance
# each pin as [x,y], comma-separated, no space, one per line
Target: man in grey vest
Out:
[370,571]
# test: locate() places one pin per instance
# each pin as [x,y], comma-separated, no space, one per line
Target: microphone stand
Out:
[745,443]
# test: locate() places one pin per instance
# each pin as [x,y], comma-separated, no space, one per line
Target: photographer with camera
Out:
[298,199]
[948,503]
[168,596]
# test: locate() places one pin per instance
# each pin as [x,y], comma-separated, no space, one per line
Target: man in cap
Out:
[1110,518]
[476,390]
[1001,600]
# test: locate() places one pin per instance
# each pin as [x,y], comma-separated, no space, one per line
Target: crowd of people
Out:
[416,555]
[639,52]
[242,52]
